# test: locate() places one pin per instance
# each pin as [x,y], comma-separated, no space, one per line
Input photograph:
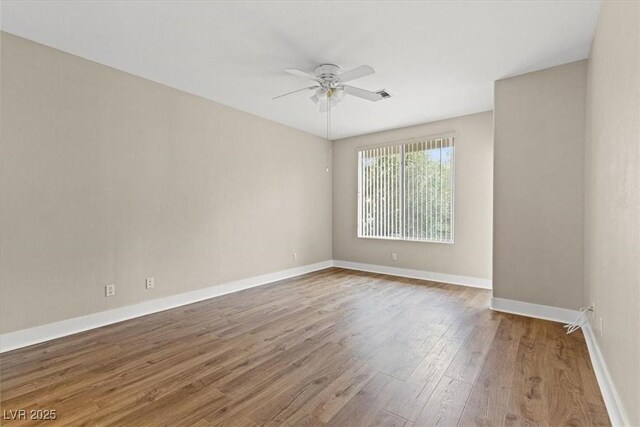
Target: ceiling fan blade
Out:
[297,90]
[302,74]
[362,93]
[356,73]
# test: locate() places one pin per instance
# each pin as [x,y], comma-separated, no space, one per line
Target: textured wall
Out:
[110,178]
[612,242]
[470,255]
[539,186]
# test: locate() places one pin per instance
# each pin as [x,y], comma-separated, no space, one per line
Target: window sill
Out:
[402,239]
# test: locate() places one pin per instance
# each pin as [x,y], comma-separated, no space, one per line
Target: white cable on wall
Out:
[582,319]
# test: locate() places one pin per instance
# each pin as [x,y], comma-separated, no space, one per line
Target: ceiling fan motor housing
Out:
[327,72]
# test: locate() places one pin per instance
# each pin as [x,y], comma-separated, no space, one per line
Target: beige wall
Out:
[612,222]
[470,255]
[539,186]
[110,178]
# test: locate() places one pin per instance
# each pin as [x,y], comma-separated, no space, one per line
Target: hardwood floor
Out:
[334,347]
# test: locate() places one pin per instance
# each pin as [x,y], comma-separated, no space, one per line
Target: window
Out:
[405,191]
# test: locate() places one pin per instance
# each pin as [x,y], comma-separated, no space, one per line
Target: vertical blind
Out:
[405,191]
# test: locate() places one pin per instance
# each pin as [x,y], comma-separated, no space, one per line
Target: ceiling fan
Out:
[330,85]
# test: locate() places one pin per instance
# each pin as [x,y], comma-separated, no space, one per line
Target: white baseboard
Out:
[38,334]
[42,333]
[474,282]
[539,311]
[611,398]
[563,315]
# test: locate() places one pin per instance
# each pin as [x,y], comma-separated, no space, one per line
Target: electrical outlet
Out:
[109,290]
[394,256]
[150,283]
[295,256]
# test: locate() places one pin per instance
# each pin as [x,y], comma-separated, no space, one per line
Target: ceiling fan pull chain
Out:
[328,115]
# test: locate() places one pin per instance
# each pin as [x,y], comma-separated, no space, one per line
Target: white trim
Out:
[454,279]
[611,398]
[26,337]
[539,311]
[433,137]
[38,334]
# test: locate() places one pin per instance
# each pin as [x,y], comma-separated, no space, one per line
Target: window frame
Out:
[403,143]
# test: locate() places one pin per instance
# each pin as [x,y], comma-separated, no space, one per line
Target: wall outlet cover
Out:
[109,290]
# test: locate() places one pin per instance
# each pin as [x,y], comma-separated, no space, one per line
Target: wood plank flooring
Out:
[335,347]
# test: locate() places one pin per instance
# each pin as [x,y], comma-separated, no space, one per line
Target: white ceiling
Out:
[436,59]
